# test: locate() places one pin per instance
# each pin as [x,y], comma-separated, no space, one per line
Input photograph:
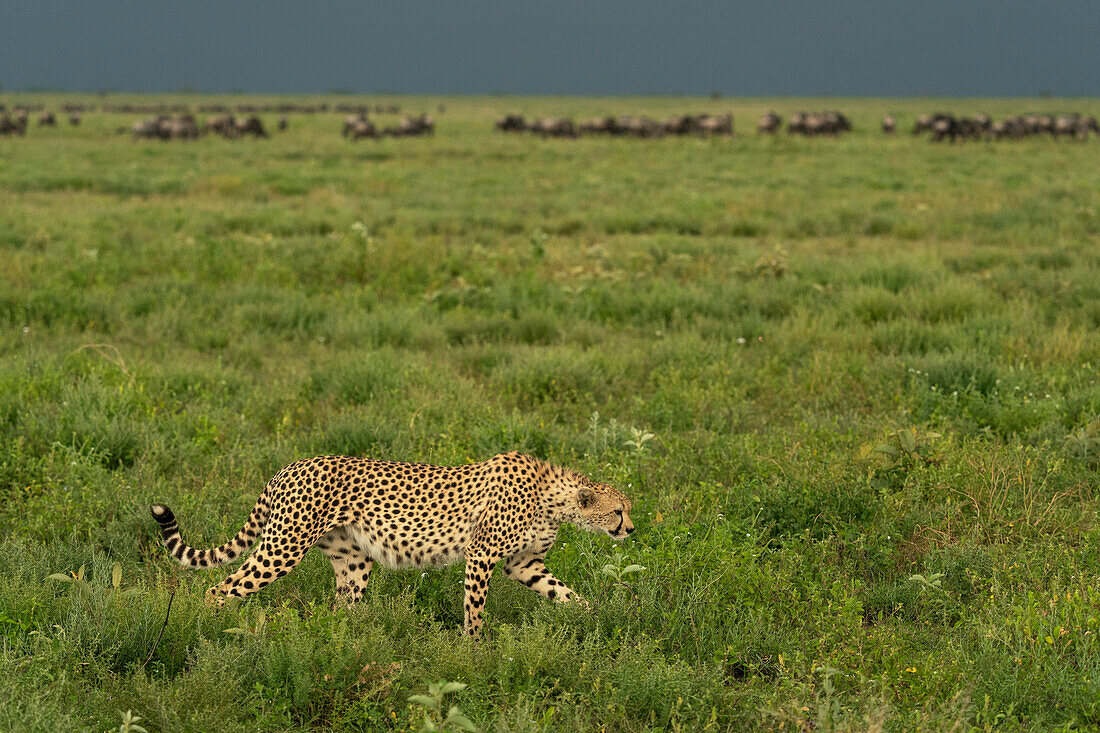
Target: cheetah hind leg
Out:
[349,561]
[265,566]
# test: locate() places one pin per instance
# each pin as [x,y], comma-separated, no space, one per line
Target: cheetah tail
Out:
[228,552]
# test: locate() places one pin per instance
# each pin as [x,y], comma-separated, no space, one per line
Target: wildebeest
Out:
[818,123]
[251,125]
[1012,128]
[146,129]
[221,124]
[639,127]
[511,123]
[1040,124]
[714,124]
[680,125]
[74,119]
[351,121]
[12,125]
[182,127]
[945,127]
[599,126]
[554,127]
[924,123]
[421,124]
[955,128]
[357,127]
[231,127]
[769,124]
[47,119]
[700,124]
[1069,126]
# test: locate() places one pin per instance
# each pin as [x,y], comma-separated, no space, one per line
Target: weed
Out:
[434,719]
[617,570]
[254,628]
[638,439]
[1083,444]
[130,724]
[906,448]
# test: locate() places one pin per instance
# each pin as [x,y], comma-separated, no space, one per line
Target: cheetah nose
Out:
[630,530]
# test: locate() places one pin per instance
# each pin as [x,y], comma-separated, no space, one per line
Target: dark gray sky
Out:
[758,48]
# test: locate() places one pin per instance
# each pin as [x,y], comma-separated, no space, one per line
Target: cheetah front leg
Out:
[350,563]
[530,570]
[479,568]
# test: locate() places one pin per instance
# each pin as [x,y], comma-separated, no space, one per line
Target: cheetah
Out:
[360,511]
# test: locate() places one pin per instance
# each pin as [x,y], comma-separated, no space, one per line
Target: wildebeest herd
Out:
[360,125]
[178,122]
[241,109]
[14,124]
[17,121]
[186,127]
[945,126]
[809,124]
[626,126]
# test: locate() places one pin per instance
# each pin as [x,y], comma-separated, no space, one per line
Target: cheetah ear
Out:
[586,498]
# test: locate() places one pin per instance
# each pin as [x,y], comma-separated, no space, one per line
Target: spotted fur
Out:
[360,511]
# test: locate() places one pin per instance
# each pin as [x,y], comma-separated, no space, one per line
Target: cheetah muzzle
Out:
[360,511]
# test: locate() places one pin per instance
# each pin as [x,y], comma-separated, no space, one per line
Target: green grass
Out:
[179,320]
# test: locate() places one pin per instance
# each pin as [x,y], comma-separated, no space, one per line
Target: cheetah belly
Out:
[433,549]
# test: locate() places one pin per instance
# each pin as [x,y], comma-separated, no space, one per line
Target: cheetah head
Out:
[603,508]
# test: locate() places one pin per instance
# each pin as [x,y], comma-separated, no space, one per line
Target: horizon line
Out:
[716,96]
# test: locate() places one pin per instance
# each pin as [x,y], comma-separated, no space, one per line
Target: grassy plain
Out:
[178,320]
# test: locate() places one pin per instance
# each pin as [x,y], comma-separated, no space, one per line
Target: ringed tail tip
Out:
[161,513]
